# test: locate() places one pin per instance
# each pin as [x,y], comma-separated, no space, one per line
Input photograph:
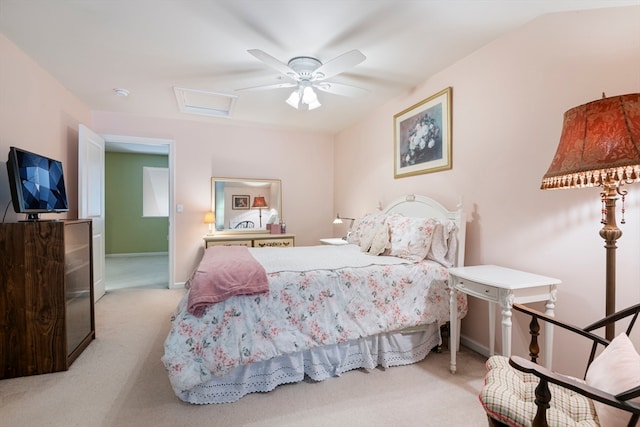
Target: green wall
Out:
[126,231]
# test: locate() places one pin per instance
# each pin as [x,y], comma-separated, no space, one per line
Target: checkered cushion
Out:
[508,395]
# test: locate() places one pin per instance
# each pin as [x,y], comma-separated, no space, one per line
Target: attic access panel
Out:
[204,103]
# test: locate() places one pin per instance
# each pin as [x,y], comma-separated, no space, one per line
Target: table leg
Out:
[548,328]
[492,328]
[453,327]
[507,304]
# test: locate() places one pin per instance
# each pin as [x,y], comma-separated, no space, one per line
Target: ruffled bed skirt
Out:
[386,350]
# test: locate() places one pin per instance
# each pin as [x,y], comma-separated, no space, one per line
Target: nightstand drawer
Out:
[263,243]
[478,289]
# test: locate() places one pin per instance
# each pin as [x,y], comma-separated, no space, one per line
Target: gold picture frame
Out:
[422,136]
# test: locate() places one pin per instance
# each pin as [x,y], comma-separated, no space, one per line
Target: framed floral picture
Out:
[422,136]
[239,202]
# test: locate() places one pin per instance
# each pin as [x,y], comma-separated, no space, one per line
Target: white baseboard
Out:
[136,254]
[474,345]
[177,285]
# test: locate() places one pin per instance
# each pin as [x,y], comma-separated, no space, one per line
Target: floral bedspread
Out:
[303,310]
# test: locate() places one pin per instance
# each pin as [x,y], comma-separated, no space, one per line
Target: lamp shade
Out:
[259,202]
[600,142]
[209,218]
[294,99]
[304,95]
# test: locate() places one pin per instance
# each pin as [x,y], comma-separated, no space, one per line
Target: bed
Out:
[316,311]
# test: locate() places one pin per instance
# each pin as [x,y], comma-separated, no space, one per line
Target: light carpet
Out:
[119,381]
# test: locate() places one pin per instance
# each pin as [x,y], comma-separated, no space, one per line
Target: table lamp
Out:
[210,218]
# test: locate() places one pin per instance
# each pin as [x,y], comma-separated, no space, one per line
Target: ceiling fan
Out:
[306,73]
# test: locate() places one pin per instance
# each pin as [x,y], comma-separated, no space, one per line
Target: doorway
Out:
[140,267]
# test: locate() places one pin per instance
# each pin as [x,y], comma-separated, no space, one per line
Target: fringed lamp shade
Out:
[600,142]
[600,147]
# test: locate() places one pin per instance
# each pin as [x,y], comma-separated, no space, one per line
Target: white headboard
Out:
[422,206]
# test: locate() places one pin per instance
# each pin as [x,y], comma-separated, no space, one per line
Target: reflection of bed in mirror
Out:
[230,218]
[327,309]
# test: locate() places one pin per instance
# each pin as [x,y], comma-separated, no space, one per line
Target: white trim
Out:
[475,346]
[136,254]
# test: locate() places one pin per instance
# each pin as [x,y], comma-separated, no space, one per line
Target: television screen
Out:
[36,183]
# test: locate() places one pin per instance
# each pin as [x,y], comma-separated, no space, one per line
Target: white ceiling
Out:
[151,46]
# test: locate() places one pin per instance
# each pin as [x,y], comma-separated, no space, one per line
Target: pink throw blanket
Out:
[224,271]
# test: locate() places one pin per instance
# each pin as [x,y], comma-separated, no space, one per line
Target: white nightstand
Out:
[504,286]
[334,241]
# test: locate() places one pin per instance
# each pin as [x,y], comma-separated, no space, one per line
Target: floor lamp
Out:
[600,147]
[260,203]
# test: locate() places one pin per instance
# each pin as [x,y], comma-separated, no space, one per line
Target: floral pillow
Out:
[364,226]
[444,244]
[378,241]
[373,226]
[410,237]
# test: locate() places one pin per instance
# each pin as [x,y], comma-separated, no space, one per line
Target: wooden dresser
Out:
[46,295]
[253,240]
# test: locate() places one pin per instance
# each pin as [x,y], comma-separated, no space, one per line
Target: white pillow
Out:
[615,370]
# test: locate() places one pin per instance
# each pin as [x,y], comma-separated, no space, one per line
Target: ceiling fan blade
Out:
[340,89]
[267,87]
[339,64]
[273,63]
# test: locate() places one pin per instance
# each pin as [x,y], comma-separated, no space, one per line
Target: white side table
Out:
[504,286]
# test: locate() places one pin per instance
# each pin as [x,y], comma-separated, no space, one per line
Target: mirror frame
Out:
[249,182]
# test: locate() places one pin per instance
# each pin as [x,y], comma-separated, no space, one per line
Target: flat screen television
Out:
[36,183]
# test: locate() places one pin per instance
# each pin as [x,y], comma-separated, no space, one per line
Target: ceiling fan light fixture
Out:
[309,96]
[315,104]
[304,95]
[294,99]
[306,72]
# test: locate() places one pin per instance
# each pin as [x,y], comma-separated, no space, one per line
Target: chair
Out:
[519,392]
[245,224]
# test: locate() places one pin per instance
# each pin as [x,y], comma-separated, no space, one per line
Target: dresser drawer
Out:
[263,243]
[230,243]
[256,240]
[477,289]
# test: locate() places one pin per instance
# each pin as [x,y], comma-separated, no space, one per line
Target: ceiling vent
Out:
[204,103]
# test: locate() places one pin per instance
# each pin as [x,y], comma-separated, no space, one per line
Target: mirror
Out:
[237,204]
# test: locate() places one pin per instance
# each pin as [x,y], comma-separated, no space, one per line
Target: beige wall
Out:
[40,115]
[508,103]
[303,161]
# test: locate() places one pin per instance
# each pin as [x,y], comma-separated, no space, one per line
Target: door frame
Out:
[136,140]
